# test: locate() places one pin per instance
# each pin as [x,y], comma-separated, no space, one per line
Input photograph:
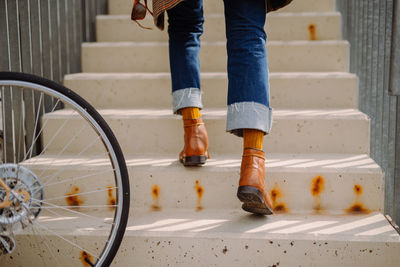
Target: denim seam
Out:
[187,97]
[248,115]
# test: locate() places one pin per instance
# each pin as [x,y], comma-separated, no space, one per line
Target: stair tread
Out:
[220,15]
[218,113]
[291,176]
[179,237]
[153,56]
[212,6]
[373,227]
[205,43]
[295,130]
[279,26]
[275,162]
[237,224]
[204,75]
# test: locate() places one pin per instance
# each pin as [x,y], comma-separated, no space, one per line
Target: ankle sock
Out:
[253,138]
[190,113]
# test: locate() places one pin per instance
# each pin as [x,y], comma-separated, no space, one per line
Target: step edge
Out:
[137,161]
[217,114]
[87,45]
[207,75]
[221,15]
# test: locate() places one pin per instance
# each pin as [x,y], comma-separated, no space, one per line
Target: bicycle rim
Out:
[69,197]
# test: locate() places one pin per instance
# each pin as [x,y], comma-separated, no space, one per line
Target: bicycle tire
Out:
[22,80]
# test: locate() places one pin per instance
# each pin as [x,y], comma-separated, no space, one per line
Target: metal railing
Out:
[372,28]
[41,37]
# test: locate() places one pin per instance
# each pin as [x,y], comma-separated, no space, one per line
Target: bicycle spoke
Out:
[59,216]
[56,134]
[74,179]
[35,128]
[20,135]
[48,248]
[77,207]
[54,175]
[34,228]
[80,153]
[81,194]
[5,128]
[66,240]
[63,149]
[72,211]
[41,129]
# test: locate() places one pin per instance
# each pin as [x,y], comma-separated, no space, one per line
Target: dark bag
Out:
[273,5]
[139,12]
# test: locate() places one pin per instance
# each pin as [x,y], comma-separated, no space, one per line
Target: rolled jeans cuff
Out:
[188,97]
[248,115]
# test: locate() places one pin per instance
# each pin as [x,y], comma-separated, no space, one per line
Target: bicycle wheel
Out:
[64,188]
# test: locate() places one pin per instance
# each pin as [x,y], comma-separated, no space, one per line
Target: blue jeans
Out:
[248,88]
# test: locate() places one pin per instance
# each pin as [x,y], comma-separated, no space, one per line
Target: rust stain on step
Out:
[358,207]
[73,199]
[278,206]
[86,259]
[312,32]
[155,191]
[317,187]
[317,207]
[111,201]
[275,194]
[199,191]
[358,189]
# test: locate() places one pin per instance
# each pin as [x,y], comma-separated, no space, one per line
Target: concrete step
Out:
[293,56]
[279,26]
[298,183]
[119,7]
[153,90]
[294,131]
[223,238]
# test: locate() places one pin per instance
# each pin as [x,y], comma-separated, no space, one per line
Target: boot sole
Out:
[253,200]
[193,160]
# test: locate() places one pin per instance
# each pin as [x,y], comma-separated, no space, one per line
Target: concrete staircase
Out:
[327,191]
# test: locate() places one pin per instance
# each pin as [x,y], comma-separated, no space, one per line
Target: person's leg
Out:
[249,114]
[185,28]
[248,88]
[253,139]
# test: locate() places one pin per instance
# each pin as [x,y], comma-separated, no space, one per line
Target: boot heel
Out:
[194,160]
[253,200]
[250,194]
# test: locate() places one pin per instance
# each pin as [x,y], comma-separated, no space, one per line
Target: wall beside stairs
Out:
[372,28]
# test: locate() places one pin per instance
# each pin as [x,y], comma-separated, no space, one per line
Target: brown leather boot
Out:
[195,151]
[252,190]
